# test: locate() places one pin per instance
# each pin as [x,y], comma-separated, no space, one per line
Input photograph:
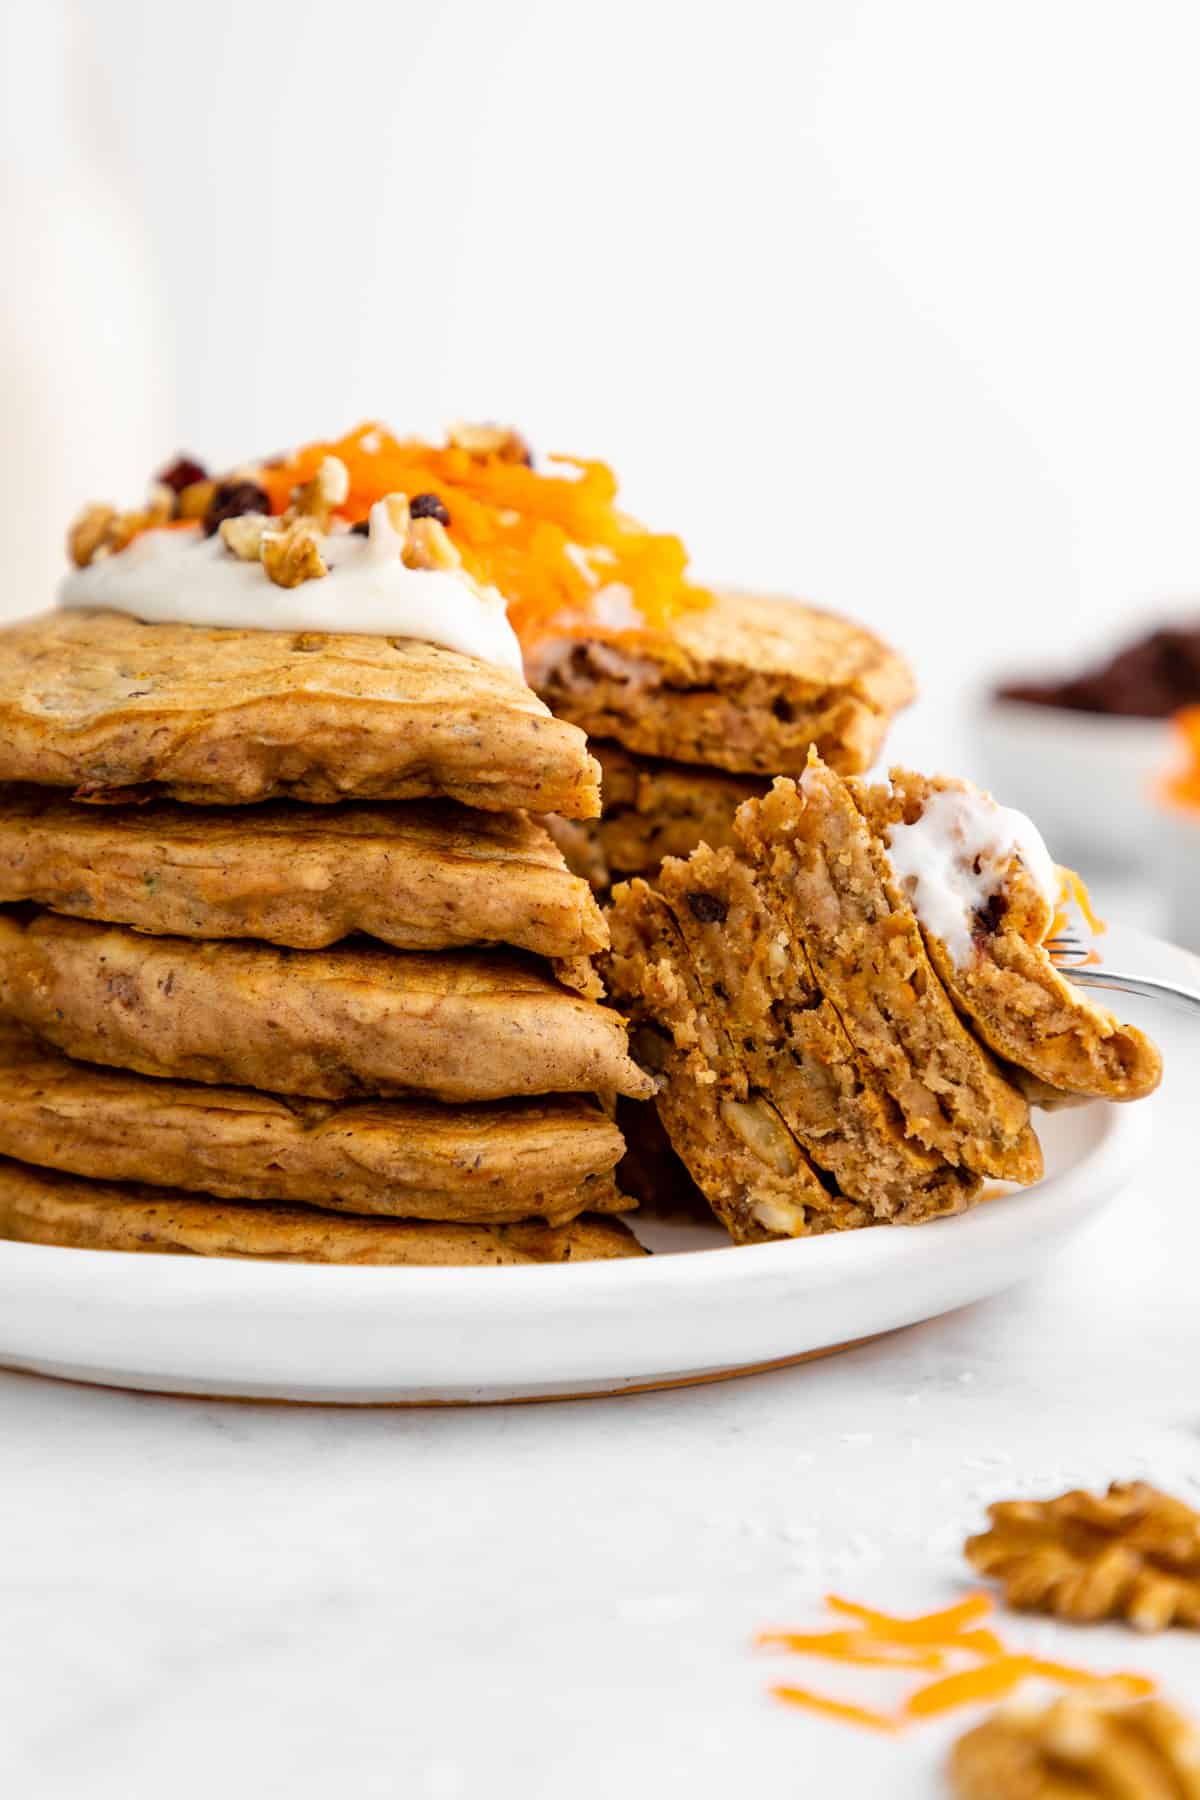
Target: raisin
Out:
[428,506]
[989,917]
[707,908]
[183,472]
[362,529]
[782,708]
[231,500]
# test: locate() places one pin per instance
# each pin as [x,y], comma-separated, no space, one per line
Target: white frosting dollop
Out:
[956,856]
[183,577]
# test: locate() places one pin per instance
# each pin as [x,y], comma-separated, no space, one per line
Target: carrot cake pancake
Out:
[986,893]
[746,683]
[549,1158]
[112,707]
[759,1180]
[351,1020]
[421,876]
[652,809]
[812,845]
[41,1206]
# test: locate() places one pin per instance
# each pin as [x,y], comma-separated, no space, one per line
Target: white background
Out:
[894,306]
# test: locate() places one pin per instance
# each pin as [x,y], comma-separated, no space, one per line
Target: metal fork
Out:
[1075,958]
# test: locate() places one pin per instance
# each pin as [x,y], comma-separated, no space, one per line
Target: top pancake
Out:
[746,684]
[103,703]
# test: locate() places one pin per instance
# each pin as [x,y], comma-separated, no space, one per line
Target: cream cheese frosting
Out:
[181,576]
[957,855]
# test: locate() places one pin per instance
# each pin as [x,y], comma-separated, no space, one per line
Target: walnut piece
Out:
[1139,1750]
[490,440]
[89,533]
[293,555]
[428,546]
[195,499]
[328,489]
[1133,1553]
[244,534]
[101,529]
[758,1126]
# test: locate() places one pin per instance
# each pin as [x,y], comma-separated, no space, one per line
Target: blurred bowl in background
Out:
[1086,779]
[1177,856]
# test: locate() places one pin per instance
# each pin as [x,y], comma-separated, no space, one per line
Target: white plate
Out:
[283,1331]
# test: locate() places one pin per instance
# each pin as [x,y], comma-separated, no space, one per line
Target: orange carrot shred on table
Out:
[981,1642]
[1138,1687]
[987,1681]
[836,1709]
[927,1628]
[852,1647]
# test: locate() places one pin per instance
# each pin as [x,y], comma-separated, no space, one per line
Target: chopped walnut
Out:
[1139,1750]
[101,529]
[195,499]
[293,555]
[244,534]
[491,440]
[429,546]
[328,489]
[1133,1553]
[89,534]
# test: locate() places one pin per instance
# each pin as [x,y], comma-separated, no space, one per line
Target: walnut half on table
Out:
[1132,1554]
[1141,1750]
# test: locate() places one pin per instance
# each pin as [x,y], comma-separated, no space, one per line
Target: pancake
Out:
[758,981]
[329,1024]
[489,1164]
[758,1180]
[41,1206]
[420,877]
[652,809]
[746,684]
[868,958]
[1006,986]
[101,703]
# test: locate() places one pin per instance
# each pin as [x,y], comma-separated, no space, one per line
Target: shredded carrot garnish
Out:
[836,1709]
[989,1681]
[882,1640]
[548,542]
[1138,1687]
[1072,887]
[927,1628]
[852,1647]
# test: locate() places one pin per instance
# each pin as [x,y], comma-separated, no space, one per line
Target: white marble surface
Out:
[543,1601]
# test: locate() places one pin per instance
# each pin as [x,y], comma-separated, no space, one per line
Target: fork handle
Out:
[1135,984]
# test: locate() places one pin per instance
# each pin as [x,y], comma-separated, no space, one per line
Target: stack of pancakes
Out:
[827,1059]
[691,720]
[286,970]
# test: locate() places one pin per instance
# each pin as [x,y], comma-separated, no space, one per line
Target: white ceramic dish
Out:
[1087,779]
[427,1336]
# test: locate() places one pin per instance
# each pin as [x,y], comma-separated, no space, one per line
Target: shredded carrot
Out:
[548,542]
[988,1681]
[881,1640]
[927,1628]
[852,1647]
[1138,1687]
[983,1643]
[1072,887]
[836,1709]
